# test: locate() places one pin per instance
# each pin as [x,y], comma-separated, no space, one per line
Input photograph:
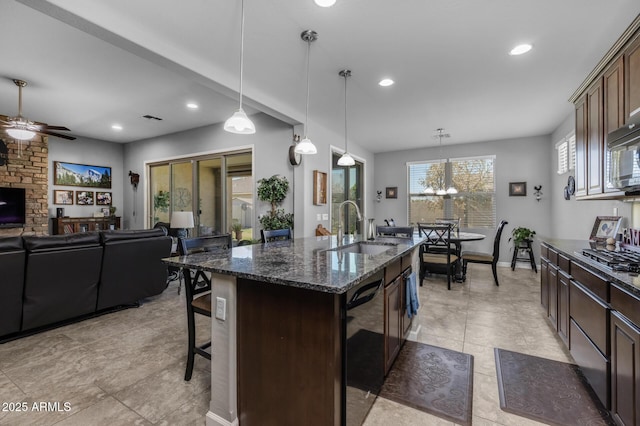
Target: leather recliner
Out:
[12,261]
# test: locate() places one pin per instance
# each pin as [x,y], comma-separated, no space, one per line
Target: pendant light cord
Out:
[306,116]
[241,48]
[346,74]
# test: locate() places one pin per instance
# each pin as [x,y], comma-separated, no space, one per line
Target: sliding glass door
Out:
[218,189]
[346,184]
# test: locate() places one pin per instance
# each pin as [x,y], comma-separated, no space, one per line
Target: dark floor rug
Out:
[548,391]
[434,380]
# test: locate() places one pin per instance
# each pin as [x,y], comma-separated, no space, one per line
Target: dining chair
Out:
[198,291]
[485,258]
[275,235]
[395,231]
[436,253]
[453,221]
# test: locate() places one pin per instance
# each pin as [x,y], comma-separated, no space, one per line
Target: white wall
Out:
[91,152]
[517,160]
[574,219]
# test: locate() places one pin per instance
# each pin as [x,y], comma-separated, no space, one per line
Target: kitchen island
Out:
[279,355]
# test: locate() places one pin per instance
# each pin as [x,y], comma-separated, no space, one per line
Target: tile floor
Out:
[127,368]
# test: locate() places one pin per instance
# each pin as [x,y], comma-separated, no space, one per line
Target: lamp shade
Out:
[21,134]
[305,146]
[239,123]
[346,160]
[182,220]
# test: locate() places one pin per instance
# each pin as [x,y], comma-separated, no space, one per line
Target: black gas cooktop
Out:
[617,260]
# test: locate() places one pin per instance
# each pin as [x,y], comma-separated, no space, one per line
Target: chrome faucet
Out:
[341,218]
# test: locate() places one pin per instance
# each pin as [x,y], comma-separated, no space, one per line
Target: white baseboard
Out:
[215,420]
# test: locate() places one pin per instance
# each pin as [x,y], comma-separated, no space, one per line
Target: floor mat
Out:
[552,392]
[432,379]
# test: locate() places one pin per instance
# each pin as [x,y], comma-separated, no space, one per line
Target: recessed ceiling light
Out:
[325,3]
[192,105]
[520,49]
[386,82]
[116,127]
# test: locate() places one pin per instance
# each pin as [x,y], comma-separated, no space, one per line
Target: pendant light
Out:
[305,146]
[346,159]
[239,122]
[451,190]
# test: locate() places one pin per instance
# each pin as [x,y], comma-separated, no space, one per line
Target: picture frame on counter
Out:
[605,227]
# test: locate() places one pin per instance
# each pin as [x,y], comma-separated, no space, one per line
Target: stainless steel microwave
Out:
[623,145]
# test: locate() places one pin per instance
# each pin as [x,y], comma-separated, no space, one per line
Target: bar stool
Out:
[523,247]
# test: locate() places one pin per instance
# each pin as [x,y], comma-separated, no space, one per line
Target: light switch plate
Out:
[325,216]
[221,308]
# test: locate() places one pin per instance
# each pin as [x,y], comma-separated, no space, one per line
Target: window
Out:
[475,202]
[566,153]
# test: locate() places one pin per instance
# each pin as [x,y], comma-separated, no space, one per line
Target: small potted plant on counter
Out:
[237,229]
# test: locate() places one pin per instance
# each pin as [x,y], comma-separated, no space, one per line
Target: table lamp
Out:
[182,221]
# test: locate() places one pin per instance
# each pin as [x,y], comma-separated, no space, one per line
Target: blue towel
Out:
[412,296]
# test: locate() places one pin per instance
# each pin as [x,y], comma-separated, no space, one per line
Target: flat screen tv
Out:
[12,207]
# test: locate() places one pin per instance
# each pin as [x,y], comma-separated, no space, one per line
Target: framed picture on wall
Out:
[319,188]
[62,197]
[72,174]
[84,198]
[103,198]
[517,189]
[392,192]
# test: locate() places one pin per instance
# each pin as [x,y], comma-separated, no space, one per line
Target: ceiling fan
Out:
[21,128]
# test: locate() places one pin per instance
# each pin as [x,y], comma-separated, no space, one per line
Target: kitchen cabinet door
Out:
[632,78]
[553,295]
[613,110]
[625,370]
[595,140]
[392,322]
[544,285]
[563,306]
[581,146]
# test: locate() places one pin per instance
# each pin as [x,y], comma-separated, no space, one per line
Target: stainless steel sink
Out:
[365,247]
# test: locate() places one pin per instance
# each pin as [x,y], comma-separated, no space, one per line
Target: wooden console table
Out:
[70,225]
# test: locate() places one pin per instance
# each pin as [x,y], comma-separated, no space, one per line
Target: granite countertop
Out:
[573,250]
[301,262]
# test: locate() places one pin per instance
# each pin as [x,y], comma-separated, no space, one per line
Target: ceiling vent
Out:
[151,117]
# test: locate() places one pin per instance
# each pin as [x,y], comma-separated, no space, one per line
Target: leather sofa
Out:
[52,280]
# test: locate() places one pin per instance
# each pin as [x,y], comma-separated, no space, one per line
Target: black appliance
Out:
[363,340]
[12,207]
[616,260]
[623,145]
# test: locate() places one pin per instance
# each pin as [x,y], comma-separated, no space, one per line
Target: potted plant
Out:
[274,190]
[237,229]
[521,234]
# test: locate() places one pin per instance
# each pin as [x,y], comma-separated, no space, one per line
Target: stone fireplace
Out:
[27,166]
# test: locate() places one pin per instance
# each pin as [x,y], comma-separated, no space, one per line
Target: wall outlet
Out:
[221,308]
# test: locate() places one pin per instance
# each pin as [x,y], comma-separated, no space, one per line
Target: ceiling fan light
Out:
[240,124]
[452,190]
[346,160]
[21,134]
[325,3]
[305,146]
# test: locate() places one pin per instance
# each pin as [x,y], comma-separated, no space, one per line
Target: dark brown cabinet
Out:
[544,285]
[632,78]
[595,141]
[392,322]
[613,95]
[553,296]
[581,147]
[625,371]
[563,306]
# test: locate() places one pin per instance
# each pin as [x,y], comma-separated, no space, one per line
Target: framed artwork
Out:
[517,189]
[72,174]
[605,227]
[392,192]
[319,188]
[62,197]
[103,198]
[84,198]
